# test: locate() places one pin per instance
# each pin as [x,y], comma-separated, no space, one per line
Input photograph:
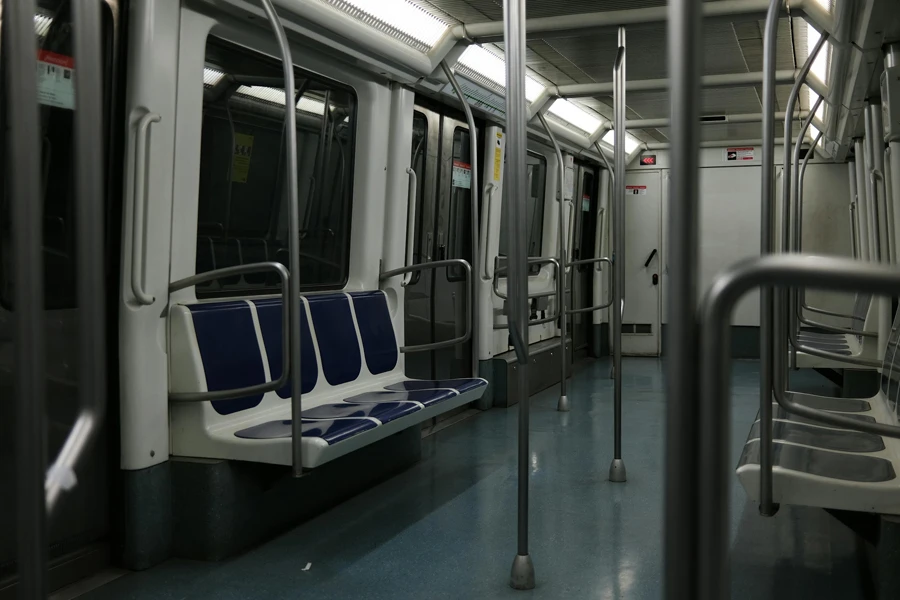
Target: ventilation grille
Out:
[637,329]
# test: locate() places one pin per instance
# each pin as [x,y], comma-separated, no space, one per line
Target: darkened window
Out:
[417,160]
[459,230]
[243,211]
[56,100]
[536,174]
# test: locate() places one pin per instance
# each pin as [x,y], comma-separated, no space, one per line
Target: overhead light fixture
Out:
[631,144]
[814,133]
[820,65]
[42,24]
[211,77]
[403,16]
[493,67]
[575,115]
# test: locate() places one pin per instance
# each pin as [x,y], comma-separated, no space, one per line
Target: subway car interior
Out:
[505,298]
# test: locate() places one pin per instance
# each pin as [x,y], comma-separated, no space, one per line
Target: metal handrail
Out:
[715,385]
[139,208]
[854,240]
[876,175]
[488,208]
[609,294]
[260,388]
[436,265]
[829,313]
[532,260]
[411,222]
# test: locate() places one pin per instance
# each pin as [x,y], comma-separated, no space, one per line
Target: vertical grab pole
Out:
[24,164]
[790,212]
[800,297]
[767,507]
[294,313]
[682,398]
[563,404]
[522,573]
[617,467]
[473,192]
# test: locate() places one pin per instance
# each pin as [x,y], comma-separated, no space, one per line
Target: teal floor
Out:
[446,528]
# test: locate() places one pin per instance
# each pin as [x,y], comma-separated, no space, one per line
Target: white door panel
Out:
[643,264]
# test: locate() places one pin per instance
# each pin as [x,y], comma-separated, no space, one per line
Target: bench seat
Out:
[354,390]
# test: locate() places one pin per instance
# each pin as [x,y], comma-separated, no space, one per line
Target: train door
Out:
[582,244]
[641,319]
[77,535]
[436,299]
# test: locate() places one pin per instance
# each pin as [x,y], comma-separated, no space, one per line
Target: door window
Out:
[534,207]
[459,228]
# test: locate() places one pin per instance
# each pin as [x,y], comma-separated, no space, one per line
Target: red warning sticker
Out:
[55,83]
[637,190]
[734,154]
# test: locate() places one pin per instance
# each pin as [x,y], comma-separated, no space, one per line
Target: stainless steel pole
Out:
[617,471]
[563,404]
[290,125]
[866,236]
[685,32]
[799,297]
[522,573]
[24,167]
[767,226]
[473,192]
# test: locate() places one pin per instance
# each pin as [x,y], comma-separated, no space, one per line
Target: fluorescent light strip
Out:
[631,144]
[575,115]
[819,68]
[405,17]
[276,96]
[493,68]
[42,24]
[211,76]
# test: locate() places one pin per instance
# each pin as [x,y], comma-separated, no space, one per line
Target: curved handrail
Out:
[532,260]
[436,265]
[609,293]
[410,222]
[488,207]
[139,208]
[260,388]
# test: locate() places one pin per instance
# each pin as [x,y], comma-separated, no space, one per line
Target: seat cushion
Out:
[336,336]
[460,385]
[269,312]
[423,397]
[332,431]
[376,331]
[383,411]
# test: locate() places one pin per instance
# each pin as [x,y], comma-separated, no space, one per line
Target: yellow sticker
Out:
[240,160]
[497,163]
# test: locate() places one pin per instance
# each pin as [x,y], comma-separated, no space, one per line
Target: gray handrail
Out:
[436,265]
[876,175]
[854,240]
[260,388]
[609,293]
[139,207]
[712,487]
[473,193]
[291,172]
[830,313]
[410,221]
[563,403]
[532,260]
[488,208]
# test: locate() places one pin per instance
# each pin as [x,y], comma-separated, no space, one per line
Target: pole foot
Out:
[563,404]
[522,575]
[617,471]
[769,511]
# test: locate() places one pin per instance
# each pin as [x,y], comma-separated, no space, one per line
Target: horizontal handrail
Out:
[829,313]
[784,272]
[609,293]
[837,329]
[533,260]
[542,321]
[450,262]
[260,388]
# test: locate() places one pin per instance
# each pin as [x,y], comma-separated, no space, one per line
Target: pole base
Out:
[770,511]
[617,471]
[563,404]
[522,575]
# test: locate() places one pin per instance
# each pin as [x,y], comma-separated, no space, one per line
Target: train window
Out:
[459,236]
[537,179]
[56,98]
[243,213]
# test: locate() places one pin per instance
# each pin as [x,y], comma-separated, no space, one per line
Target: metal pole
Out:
[799,297]
[522,572]
[473,192]
[617,471]
[685,31]
[24,167]
[563,404]
[876,140]
[867,251]
[767,213]
[295,314]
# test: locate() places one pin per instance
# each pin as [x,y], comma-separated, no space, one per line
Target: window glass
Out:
[459,242]
[417,160]
[536,171]
[243,212]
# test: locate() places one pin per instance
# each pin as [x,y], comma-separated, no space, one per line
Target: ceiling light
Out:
[575,115]
[631,144]
[820,65]
[493,67]
[405,17]
[211,76]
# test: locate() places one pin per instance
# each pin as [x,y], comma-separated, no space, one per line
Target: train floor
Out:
[446,528]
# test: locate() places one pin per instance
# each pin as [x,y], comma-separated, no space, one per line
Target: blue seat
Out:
[332,431]
[460,385]
[423,397]
[376,331]
[336,336]
[230,352]
[383,411]
[269,312]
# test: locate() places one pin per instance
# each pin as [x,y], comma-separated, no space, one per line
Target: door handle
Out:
[649,258]
[655,279]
